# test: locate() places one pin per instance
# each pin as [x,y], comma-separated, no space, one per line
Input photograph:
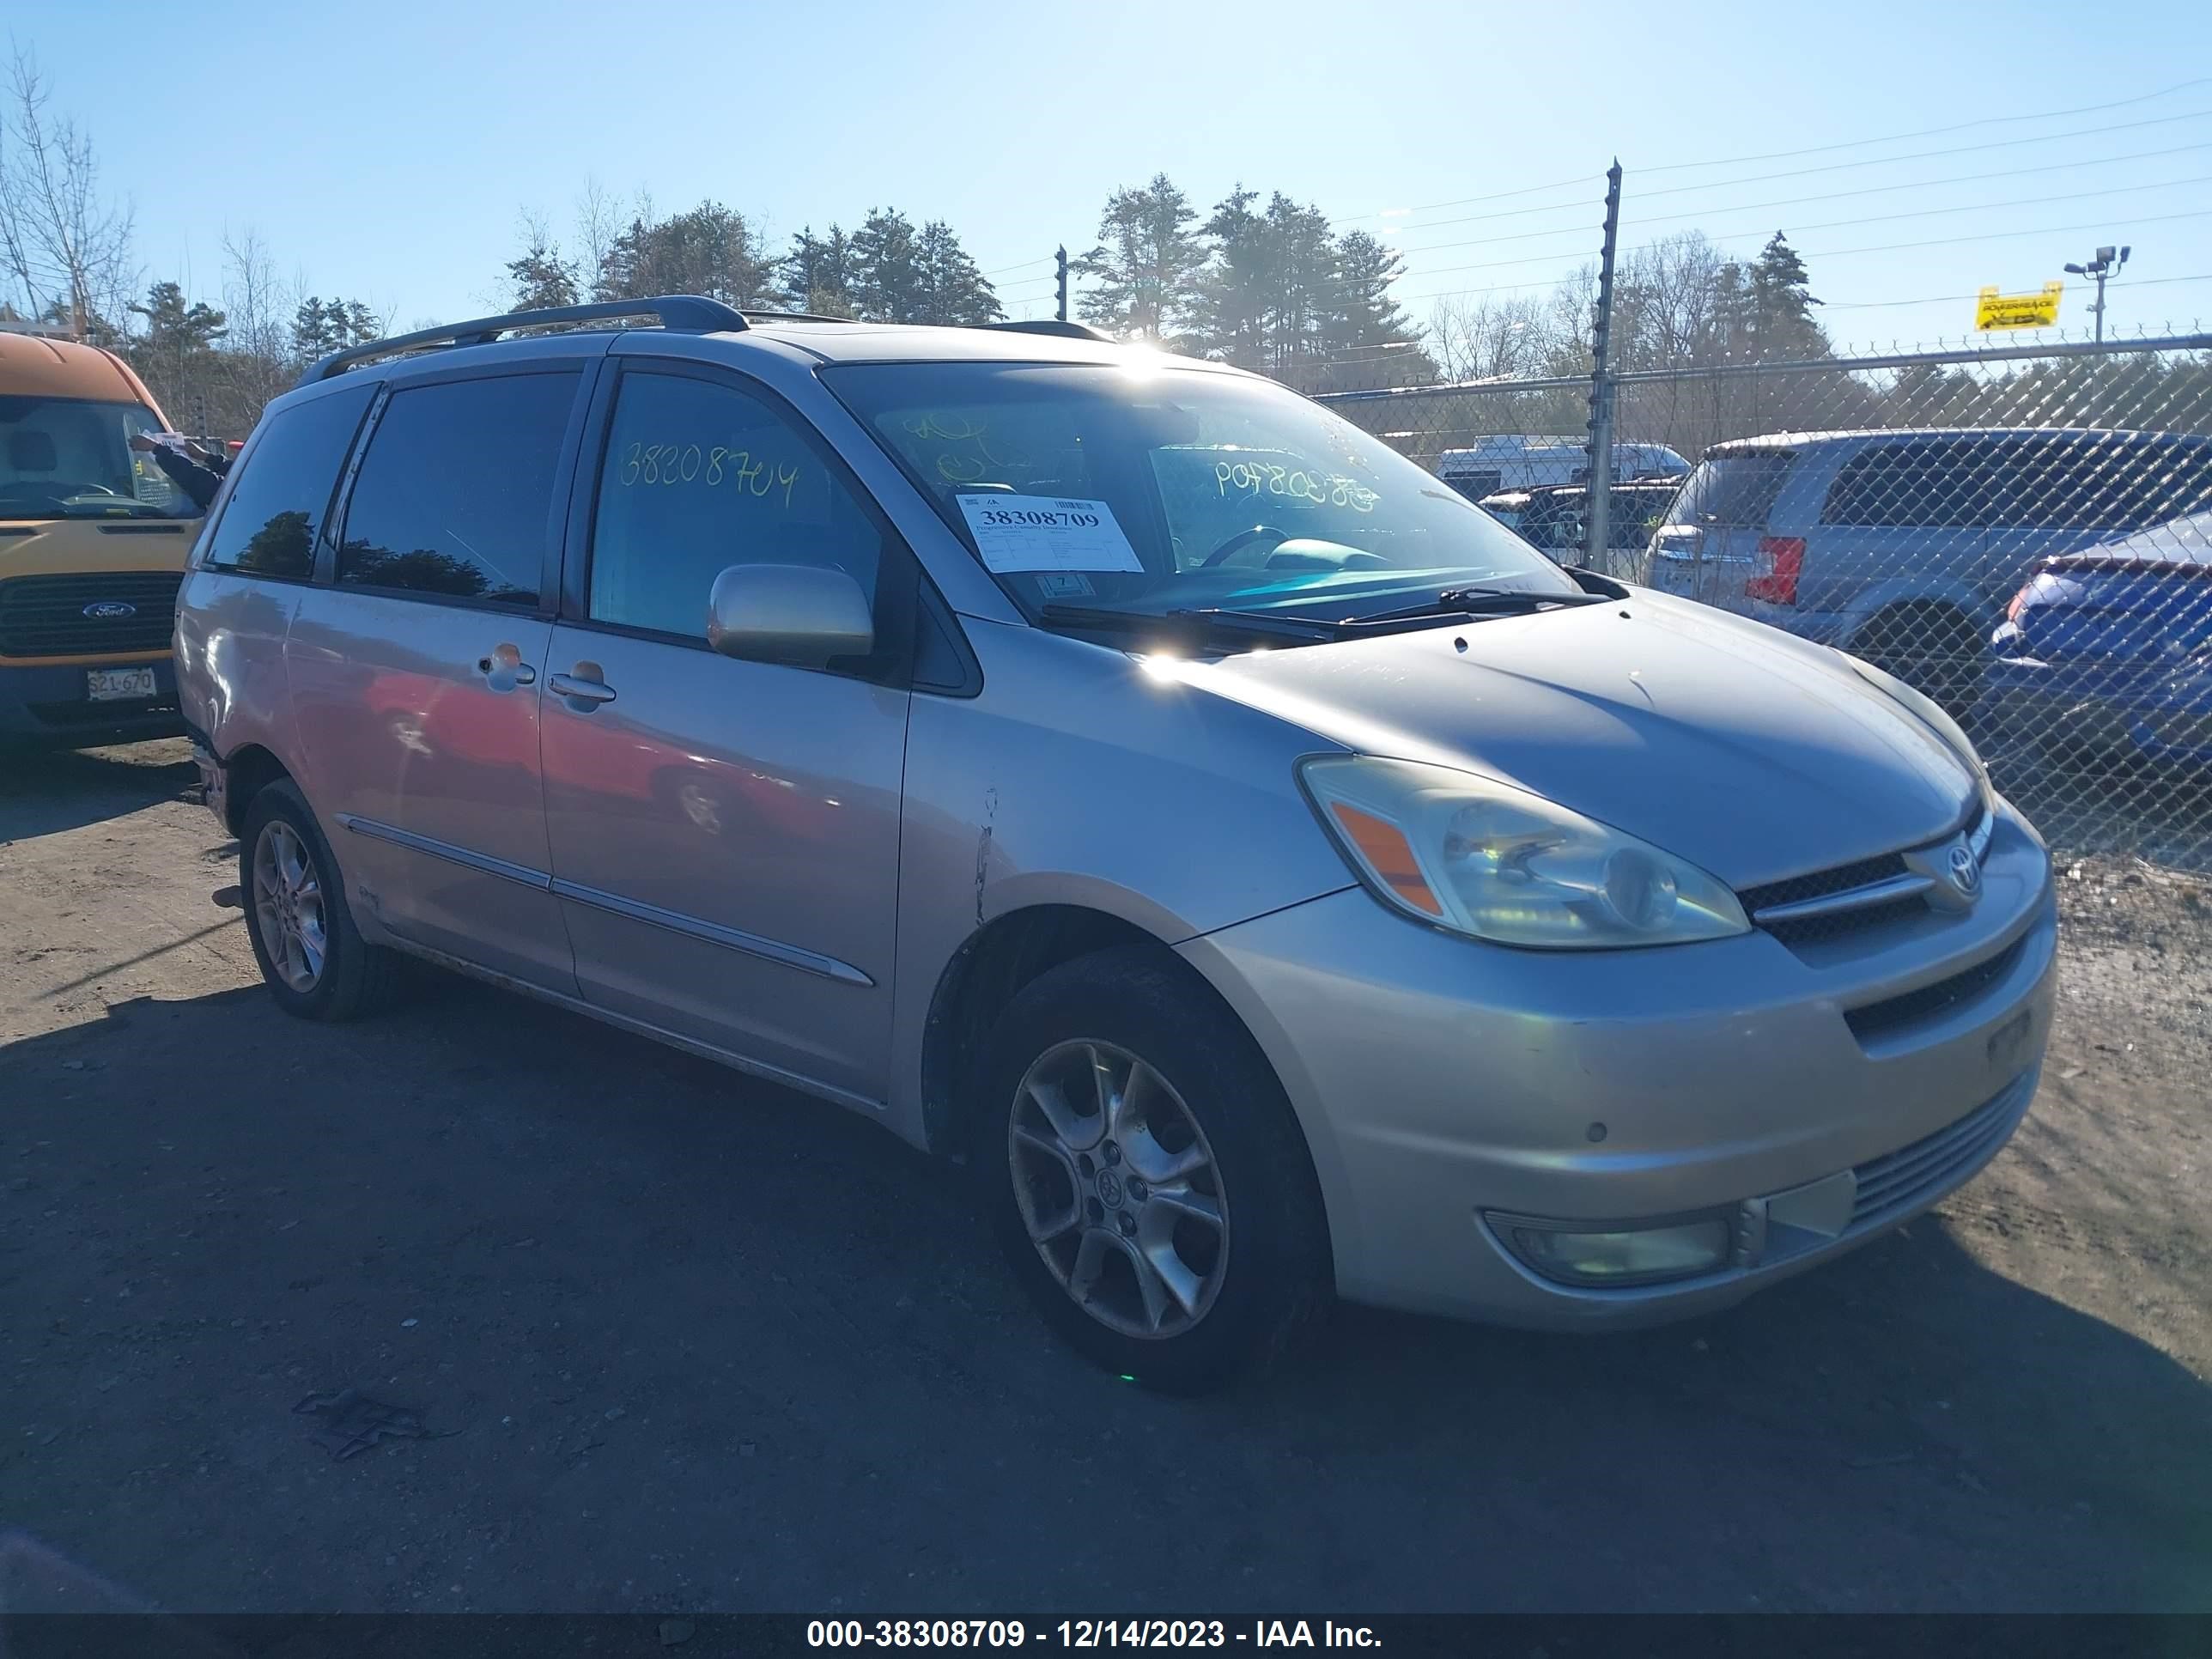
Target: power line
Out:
[1807,253]
[1931,155]
[1832,224]
[2006,235]
[1023,265]
[1881,160]
[1945,299]
[1832,194]
[1819,149]
[1935,132]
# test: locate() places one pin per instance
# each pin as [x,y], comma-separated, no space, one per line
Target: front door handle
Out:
[504,669]
[584,695]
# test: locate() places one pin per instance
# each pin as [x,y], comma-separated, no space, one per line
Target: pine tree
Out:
[709,250]
[952,290]
[887,280]
[1147,265]
[541,278]
[1781,303]
[815,273]
[1366,338]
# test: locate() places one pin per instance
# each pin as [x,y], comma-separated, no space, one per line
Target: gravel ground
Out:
[681,1342]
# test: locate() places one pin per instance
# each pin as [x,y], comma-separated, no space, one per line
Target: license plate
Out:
[112,684]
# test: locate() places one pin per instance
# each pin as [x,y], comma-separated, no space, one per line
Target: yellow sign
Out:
[1996,310]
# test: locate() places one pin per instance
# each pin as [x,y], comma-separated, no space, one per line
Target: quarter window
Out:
[699,477]
[455,497]
[277,504]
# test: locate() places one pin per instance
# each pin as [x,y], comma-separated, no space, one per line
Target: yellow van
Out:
[92,540]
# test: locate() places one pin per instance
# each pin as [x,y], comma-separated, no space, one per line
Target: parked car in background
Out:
[1903,547]
[1272,879]
[1515,461]
[2105,657]
[92,540]
[1555,518]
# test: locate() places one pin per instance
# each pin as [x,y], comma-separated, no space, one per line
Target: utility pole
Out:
[2103,267]
[1061,255]
[1598,520]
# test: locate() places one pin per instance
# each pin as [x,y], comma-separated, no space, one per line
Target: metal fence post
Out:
[1599,519]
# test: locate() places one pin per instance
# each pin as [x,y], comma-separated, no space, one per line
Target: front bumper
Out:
[46,704]
[1438,1079]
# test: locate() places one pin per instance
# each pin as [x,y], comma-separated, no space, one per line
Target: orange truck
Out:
[93,542]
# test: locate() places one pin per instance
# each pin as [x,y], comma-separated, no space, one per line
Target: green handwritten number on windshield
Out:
[1253,478]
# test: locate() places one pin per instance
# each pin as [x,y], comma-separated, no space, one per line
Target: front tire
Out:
[315,962]
[1147,1179]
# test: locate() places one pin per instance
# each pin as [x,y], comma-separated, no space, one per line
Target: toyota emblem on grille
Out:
[1965,870]
[110,610]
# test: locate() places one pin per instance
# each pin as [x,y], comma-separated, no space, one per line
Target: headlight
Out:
[1498,863]
[1930,715]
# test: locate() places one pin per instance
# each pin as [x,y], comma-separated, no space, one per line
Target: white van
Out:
[1520,461]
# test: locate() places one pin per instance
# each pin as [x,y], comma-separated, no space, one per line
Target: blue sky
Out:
[385,152]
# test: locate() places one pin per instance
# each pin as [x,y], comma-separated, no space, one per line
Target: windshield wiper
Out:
[1211,622]
[1471,604]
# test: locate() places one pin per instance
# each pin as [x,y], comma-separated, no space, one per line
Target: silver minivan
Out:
[1905,546]
[1266,876]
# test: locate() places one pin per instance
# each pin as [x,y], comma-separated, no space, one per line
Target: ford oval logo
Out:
[110,610]
[1965,871]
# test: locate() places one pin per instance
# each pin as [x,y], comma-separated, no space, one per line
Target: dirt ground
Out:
[684,1342]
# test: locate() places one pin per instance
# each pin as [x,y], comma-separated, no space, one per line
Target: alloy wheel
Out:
[1119,1190]
[288,899]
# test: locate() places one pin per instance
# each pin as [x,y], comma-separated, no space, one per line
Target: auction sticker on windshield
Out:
[1041,532]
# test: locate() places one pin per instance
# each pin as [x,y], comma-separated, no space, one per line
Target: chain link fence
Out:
[2022,532]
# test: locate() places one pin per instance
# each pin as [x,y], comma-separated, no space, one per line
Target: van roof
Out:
[37,365]
[826,339]
[1773,441]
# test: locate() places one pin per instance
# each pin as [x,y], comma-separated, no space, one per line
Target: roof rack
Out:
[1054,326]
[688,312]
[797,316]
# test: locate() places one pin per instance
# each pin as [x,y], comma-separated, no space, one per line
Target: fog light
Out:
[1626,1255]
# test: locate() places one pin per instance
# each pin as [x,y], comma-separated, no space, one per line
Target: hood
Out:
[1754,755]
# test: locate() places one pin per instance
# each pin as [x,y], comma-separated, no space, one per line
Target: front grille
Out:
[1881,1019]
[44,616]
[1822,883]
[1842,924]
[1860,895]
[1897,1181]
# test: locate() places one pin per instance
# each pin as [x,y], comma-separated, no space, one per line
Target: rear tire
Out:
[1126,1119]
[315,962]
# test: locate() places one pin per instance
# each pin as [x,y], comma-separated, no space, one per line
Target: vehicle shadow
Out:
[46,792]
[687,1342]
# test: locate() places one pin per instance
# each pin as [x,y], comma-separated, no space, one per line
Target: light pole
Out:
[2103,266]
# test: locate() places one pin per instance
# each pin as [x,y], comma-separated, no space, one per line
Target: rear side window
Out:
[455,497]
[1940,484]
[2099,483]
[1734,489]
[285,487]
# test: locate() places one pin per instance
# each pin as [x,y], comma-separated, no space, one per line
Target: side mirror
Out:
[803,615]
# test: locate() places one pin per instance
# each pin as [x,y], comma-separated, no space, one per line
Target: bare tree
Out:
[598,224]
[1484,339]
[67,245]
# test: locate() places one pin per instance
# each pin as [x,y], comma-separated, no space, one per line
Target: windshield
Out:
[1170,489]
[70,458]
